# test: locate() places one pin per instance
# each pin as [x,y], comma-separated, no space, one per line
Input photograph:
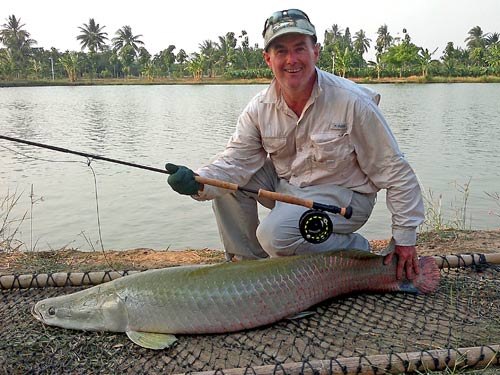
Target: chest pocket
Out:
[332,150]
[276,147]
[273,145]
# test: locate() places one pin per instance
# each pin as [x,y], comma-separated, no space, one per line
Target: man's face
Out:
[293,57]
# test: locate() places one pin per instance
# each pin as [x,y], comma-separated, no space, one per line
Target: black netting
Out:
[463,312]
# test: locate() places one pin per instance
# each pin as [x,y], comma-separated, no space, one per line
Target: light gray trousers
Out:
[278,234]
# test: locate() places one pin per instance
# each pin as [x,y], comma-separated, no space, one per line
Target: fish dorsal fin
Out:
[355,253]
[151,340]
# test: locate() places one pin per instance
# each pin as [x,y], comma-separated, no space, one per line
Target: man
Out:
[313,135]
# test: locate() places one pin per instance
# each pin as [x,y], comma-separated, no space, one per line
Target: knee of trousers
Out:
[277,240]
[362,205]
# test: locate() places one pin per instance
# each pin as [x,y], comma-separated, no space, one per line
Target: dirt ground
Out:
[435,243]
[65,345]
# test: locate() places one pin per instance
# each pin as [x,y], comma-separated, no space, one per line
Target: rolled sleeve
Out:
[404,236]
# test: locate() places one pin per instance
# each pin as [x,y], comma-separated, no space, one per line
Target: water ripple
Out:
[447,131]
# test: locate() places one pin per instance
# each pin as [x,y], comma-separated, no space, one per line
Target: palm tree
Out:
[476,38]
[144,57]
[208,51]
[13,36]
[332,35]
[126,45]
[125,37]
[127,56]
[347,39]
[493,51]
[92,36]
[492,39]
[165,59]
[181,56]
[244,54]
[227,50]
[17,41]
[384,39]
[476,45]
[361,42]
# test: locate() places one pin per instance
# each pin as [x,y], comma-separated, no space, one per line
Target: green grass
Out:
[9,226]
[435,220]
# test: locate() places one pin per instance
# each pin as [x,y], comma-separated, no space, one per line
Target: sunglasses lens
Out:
[275,17]
[284,14]
[296,13]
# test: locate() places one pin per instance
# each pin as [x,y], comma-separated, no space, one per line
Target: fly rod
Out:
[346,212]
[315,225]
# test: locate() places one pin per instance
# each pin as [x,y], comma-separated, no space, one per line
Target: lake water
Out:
[449,133]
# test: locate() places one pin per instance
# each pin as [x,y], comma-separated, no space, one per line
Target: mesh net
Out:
[463,312]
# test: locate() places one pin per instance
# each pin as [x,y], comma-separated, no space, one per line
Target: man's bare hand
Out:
[407,260]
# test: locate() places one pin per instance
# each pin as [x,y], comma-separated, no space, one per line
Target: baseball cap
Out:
[285,22]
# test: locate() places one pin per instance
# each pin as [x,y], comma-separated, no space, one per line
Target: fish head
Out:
[92,309]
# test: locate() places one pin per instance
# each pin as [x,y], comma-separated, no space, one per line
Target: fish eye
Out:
[52,311]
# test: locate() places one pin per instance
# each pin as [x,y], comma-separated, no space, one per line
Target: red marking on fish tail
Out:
[428,278]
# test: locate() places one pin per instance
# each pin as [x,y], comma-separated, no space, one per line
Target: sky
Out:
[186,24]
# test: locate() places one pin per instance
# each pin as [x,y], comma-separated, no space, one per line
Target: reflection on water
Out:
[449,132]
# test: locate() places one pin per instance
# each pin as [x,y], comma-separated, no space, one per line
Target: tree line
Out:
[232,56]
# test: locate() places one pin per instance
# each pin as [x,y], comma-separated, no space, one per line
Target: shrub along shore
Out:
[225,81]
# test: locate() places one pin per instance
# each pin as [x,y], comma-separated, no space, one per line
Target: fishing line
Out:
[96,194]
[84,154]
[99,215]
[41,159]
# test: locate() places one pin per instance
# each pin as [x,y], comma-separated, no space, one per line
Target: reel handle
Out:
[343,211]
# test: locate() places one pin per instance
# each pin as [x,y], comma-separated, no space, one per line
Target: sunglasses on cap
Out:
[287,14]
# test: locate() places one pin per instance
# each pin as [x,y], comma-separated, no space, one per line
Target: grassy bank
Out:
[224,81]
[133,81]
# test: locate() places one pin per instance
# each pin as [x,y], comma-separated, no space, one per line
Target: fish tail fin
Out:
[427,279]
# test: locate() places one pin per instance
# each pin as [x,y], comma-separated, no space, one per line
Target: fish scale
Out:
[247,297]
[227,297]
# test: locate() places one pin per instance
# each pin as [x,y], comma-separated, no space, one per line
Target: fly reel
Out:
[315,226]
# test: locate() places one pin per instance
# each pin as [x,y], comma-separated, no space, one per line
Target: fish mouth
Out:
[36,313]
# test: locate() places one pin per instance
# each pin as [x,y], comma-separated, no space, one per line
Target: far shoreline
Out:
[225,81]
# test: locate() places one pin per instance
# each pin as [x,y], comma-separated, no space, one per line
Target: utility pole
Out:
[333,63]
[52,66]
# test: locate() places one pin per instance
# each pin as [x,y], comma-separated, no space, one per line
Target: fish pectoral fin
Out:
[300,315]
[151,340]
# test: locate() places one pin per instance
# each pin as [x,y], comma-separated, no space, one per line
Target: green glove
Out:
[182,180]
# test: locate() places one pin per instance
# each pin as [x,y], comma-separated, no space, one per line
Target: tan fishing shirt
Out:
[340,138]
